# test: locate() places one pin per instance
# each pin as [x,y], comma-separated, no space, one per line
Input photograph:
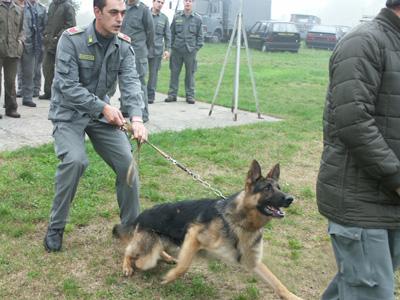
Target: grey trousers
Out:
[178,58]
[366,260]
[114,148]
[141,68]
[30,75]
[154,67]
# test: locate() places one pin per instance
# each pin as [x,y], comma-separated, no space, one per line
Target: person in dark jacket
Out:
[358,186]
[60,16]
[11,47]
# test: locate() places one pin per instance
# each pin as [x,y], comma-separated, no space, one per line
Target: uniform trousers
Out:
[114,148]
[142,68]
[366,261]
[178,58]
[154,67]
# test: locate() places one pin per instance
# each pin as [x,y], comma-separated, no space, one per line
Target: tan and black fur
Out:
[232,229]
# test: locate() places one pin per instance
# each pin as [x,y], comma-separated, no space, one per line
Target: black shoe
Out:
[29,103]
[190,100]
[35,95]
[13,114]
[18,95]
[150,101]
[53,240]
[45,97]
[170,99]
[1,116]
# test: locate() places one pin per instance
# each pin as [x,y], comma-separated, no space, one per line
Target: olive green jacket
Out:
[360,166]
[11,30]
[60,16]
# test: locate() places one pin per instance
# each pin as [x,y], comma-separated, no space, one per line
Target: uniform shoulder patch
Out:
[124,37]
[74,30]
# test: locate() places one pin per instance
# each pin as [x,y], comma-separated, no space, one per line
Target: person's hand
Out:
[398,191]
[113,115]
[139,132]
[166,55]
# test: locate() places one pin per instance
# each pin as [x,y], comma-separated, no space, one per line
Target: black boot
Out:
[53,240]
[12,114]
[45,97]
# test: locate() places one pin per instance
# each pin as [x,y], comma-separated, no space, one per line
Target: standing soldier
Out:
[11,47]
[61,15]
[138,25]
[29,77]
[161,49]
[187,39]
[88,63]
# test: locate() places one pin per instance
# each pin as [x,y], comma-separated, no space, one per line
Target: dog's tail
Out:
[123,232]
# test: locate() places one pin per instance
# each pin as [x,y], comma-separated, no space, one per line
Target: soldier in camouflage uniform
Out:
[138,25]
[161,49]
[30,73]
[60,16]
[187,39]
[88,63]
[11,47]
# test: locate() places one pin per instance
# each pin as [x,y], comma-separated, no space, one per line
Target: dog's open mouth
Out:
[272,211]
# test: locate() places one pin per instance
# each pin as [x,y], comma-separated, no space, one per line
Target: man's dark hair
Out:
[392,3]
[99,4]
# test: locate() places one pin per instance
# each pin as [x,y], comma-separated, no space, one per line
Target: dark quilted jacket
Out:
[360,167]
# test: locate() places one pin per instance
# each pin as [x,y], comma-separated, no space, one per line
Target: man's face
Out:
[188,4]
[158,4]
[109,19]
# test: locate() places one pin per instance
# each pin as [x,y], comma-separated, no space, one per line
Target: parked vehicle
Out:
[342,30]
[274,36]
[219,16]
[322,36]
[304,23]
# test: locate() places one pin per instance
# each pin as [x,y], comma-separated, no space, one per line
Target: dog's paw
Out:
[168,278]
[127,271]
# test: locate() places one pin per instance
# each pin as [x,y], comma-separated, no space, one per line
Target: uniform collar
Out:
[151,10]
[92,38]
[12,4]
[183,13]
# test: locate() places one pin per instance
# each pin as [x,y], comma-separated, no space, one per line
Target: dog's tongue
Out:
[276,212]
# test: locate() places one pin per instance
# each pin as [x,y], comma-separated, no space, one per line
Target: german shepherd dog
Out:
[232,229]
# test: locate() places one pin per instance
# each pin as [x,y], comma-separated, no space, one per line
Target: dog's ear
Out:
[253,175]
[274,172]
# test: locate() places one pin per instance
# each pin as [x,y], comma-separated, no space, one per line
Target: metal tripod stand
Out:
[238,31]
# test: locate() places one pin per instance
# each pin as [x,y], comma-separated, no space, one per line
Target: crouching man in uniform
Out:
[88,62]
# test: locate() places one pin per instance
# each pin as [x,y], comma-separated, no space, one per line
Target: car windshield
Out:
[284,27]
[323,29]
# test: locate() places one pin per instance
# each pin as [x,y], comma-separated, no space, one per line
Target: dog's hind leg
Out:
[263,271]
[168,258]
[189,249]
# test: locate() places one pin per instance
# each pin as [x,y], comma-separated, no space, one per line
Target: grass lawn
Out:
[297,248]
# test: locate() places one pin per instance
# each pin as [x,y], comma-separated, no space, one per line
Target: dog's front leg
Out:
[263,271]
[189,249]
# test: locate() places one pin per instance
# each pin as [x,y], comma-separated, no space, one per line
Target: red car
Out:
[322,36]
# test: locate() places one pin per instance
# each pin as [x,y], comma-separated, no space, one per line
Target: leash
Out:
[128,129]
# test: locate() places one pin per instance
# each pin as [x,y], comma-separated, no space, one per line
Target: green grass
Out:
[297,250]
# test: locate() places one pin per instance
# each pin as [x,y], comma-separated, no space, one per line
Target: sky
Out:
[333,12]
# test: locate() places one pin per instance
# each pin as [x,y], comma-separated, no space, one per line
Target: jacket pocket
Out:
[86,69]
[352,255]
